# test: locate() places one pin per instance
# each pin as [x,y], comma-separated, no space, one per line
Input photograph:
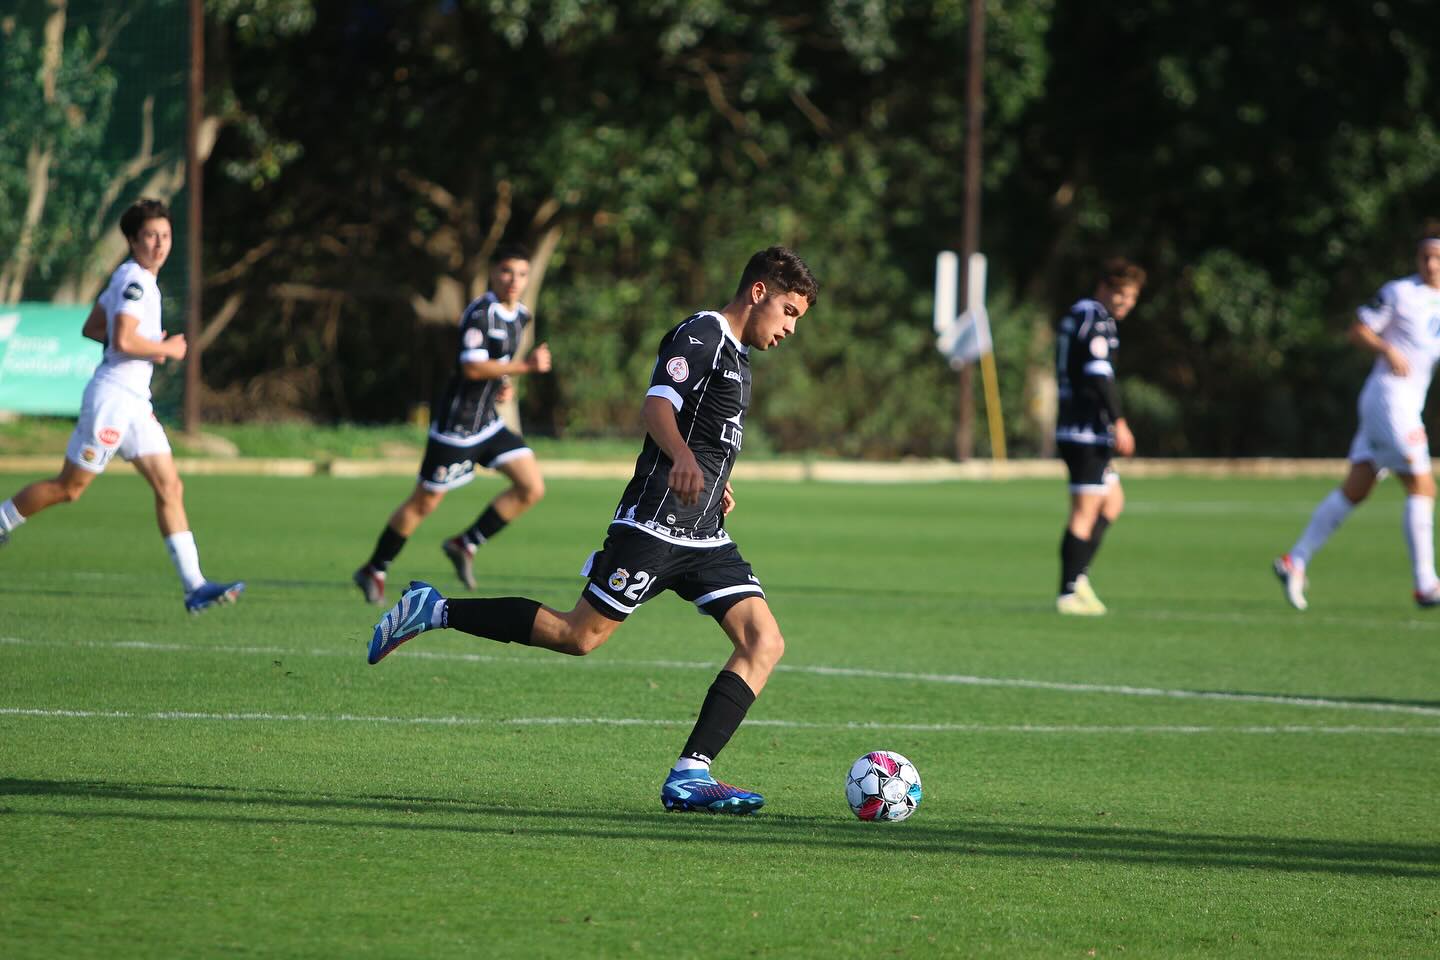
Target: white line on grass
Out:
[457,721]
[1367,706]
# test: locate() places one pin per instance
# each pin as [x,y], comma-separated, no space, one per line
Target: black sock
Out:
[485,526]
[387,548]
[1074,553]
[721,713]
[506,619]
[1101,524]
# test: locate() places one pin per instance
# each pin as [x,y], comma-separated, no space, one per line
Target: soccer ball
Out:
[883,786]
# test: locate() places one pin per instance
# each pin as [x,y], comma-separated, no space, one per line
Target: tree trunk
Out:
[37,162]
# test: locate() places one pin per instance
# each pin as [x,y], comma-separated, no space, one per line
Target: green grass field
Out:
[1204,772]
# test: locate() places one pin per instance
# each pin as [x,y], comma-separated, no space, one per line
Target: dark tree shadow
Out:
[229,805]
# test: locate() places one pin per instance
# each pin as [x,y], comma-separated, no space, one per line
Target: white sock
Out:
[1327,517]
[1420,538]
[437,614]
[186,559]
[9,517]
[690,763]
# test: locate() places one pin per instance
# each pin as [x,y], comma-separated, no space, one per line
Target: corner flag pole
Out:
[975,306]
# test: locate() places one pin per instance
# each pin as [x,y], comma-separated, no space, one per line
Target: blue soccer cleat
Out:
[210,593]
[408,618]
[697,790]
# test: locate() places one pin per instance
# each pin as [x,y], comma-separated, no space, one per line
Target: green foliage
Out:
[68,131]
[371,155]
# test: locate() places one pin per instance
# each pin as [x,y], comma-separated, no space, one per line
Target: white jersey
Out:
[132,290]
[1406,314]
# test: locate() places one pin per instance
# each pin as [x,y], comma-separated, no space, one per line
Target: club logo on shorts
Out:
[89,454]
[1416,436]
[678,369]
[108,436]
[619,579]
[669,518]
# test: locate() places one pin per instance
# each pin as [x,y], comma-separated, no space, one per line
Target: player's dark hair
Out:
[146,208]
[1119,272]
[782,269]
[1430,229]
[510,251]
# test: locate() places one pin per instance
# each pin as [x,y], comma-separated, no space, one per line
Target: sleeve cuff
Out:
[668,393]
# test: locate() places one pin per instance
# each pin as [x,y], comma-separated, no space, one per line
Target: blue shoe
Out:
[697,790]
[408,618]
[209,593]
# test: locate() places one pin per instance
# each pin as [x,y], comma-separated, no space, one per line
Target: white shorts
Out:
[114,420]
[1391,434]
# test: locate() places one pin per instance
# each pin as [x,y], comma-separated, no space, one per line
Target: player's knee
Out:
[171,490]
[582,640]
[425,503]
[71,491]
[530,493]
[763,643]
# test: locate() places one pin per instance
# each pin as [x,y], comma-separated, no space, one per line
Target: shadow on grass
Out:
[228,805]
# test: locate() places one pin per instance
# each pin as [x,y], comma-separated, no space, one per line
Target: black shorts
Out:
[634,566]
[448,465]
[1089,465]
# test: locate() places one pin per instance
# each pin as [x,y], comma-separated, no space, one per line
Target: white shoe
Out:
[1084,590]
[1292,578]
[1076,605]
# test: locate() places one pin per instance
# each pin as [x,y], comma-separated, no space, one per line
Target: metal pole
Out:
[193,218]
[974,107]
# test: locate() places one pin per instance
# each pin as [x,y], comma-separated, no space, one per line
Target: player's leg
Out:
[1418,519]
[575,632]
[1111,506]
[612,594]
[65,487]
[1324,521]
[758,646]
[158,469]
[1087,466]
[506,453]
[403,522]
[97,435]
[720,583]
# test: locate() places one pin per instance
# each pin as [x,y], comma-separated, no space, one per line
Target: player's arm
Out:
[1099,376]
[687,480]
[94,328]
[1365,337]
[129,342]
[537,361]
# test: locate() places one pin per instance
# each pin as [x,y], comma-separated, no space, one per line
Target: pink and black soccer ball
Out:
[883,785]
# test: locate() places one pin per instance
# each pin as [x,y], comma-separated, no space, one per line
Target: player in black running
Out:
[668,533]
[1091,427]
[466,431]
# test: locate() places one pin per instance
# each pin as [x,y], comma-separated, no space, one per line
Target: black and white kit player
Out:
[466,430]
[1091,426]
[668,532]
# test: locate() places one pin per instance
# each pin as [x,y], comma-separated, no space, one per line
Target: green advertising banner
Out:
[44,361]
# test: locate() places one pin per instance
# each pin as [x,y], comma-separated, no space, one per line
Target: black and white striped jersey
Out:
[704,371]
[1086,343]
[465,412]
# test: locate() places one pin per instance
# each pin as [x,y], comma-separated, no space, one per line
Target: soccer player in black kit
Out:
[668,532]
[1091,427]
[466,431]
